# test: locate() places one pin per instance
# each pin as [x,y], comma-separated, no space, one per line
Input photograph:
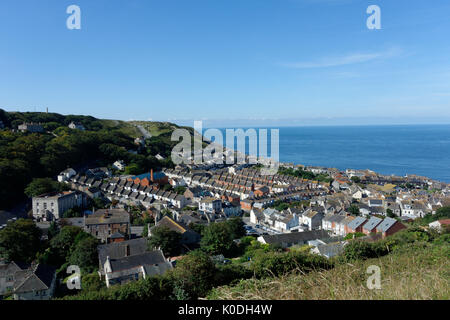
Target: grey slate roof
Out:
[295,237]
[372,223]
[115,216]
[356,222]
[143,259]
[34,280]
[118,250]
[386,224]
[331,249]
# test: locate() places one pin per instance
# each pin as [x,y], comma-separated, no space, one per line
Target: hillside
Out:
[416,272]
[24,156]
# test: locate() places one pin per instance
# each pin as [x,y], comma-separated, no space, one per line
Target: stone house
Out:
[105,222]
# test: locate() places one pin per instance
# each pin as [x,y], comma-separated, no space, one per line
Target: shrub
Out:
[194,274]
[360,250]
[280,263]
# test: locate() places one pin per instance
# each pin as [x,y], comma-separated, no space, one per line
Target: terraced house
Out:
[106,222]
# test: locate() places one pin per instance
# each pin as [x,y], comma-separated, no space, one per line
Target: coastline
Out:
[398,150]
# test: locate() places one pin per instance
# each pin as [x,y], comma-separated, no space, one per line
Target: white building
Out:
[51,206]
[76,126]
[210,205]
[119,165]
[66,175]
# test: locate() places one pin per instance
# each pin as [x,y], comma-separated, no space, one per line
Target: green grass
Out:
[417,272]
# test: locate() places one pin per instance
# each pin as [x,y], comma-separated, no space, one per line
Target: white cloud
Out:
[343,60]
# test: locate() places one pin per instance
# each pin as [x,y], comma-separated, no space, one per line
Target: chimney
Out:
[106,214]
[127,250]
[151,175]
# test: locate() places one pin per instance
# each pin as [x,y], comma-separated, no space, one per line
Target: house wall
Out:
[395,228]
[103,231]
[56,206]
[40,295]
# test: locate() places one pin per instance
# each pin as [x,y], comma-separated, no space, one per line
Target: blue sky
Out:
[232,61]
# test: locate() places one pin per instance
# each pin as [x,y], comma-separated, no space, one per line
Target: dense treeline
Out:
[50,121]
[24,156]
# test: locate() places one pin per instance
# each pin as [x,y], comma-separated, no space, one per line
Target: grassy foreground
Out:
[416,272]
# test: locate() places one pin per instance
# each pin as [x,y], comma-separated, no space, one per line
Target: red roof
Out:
[445,221]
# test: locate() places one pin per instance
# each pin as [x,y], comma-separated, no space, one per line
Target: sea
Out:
[401,150]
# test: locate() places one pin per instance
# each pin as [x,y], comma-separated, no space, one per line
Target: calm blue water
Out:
[404,149]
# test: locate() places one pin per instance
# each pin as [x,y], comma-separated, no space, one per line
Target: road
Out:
[144,131]
[260,230]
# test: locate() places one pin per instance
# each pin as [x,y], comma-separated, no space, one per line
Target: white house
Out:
[285,223]
[119,165]
[438,225]
[210,205]
[66,175]
[312,219]
[77,126]
[412,210]
[256,216]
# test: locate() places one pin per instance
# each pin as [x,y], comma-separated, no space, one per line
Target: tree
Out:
[354,209]
[197,227]
[61,244]
[217,239]
[361,250]
[53,230]
[272,263]
[69,246]
[179,190]
[350,236]
[92,282]
[20,241]
[99,203]
[167,239]
[194,274]
[133,169]
[41,186]
[84,254]
[236,227]
[390,213]
[73,213]
[356,179]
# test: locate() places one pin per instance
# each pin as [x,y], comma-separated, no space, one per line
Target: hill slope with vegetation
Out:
[25,156]
[414,265]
